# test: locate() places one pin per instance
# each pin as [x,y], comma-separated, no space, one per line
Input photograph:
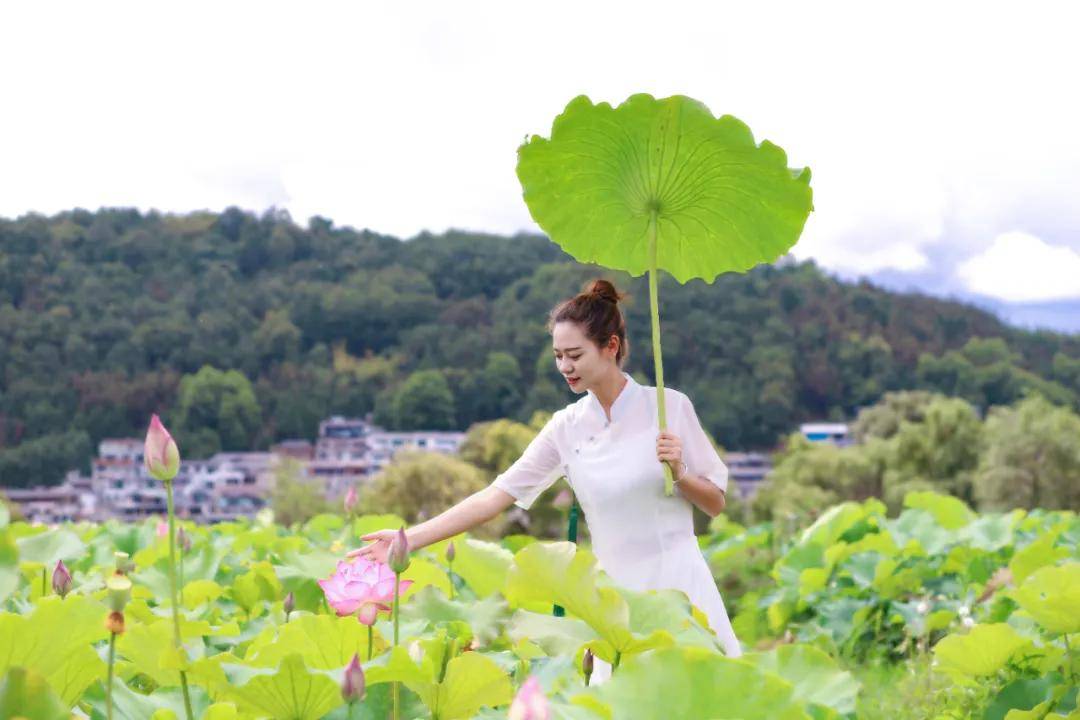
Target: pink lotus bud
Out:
[160,454]
[530,703]
[289,604]
[163,529]
[61,579]
[352,682]
[351,500]
[587,665]
[450,552]
[398,558]
[183,539]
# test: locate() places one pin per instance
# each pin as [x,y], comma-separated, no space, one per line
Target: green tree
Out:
[418,485]
[295,497]
[424,402]
[1031,458]
[216,404]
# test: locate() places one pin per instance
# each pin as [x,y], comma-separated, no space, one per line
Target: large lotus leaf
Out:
[49,546]
[694,683]
[881,543]
[991,532]
[815,677]
[1020,695]
[484,617]
[561,573]
[669,611]
[1052,596]
[982,651]
[802,556]
[162,704]
[838,519]
[56,641]
[366,524]
[290,691]
[721,202]
[482,565]
[25,694]
[150,649]
[324,642]
[951,513]
[314,565]
[202,564]
[472,681]
[922,528]
[424,573]
[256,588]
[1038,554]
[557,636]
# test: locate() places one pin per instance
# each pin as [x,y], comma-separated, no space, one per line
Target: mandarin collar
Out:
[622,402]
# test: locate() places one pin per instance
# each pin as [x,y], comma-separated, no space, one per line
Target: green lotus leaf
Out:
[289,691]
[982,651]
[149,649]
[56,641]
[694,683]
[24,693]
[1038,554]
[482,565]
[950,512]
[561,573]
[50,546]
[1052,596]
[721,202]
[991,532]
[1039,712]
[484,617]
[256,588]
[424,573]
[815,677]
[323,642]
[1020,695]
[366,524]
[556,636]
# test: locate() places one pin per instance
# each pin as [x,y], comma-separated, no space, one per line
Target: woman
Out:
[607,444]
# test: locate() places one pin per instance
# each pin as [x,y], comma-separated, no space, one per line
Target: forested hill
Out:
[242,330]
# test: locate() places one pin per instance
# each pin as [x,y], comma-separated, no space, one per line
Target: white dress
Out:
[641,538]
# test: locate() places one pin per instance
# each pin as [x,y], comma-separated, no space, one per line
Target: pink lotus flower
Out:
[530,703]
[160,454]
[362,587]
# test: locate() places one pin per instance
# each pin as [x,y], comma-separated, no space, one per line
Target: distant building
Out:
[747,471]
[837,433]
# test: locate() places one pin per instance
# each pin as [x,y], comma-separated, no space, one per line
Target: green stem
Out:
[451,580]
[108,686]
[172,593]
[1068,659]
[658,360]
[618,659]
[369,641]
[44,585]
[397,600]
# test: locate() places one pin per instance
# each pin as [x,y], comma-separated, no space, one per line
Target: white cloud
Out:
[1019,267]
[923,122]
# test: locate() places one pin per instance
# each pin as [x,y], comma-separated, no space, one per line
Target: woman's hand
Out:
[669,450]
[378,548]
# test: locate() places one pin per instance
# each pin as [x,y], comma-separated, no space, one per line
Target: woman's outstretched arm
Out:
[474,510]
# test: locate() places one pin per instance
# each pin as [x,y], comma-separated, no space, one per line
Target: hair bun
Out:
[603,289]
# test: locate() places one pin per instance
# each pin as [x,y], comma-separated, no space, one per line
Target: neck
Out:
[608,389]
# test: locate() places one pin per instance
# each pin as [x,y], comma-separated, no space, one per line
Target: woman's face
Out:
[581,363]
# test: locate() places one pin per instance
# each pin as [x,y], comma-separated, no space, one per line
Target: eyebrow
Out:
[565,350]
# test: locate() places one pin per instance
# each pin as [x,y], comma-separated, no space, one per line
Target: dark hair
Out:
[596,310]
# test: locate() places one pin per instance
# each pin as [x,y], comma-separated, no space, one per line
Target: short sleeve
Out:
[535,471]
[699,454]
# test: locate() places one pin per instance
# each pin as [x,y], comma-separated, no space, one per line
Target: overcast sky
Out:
[944,137]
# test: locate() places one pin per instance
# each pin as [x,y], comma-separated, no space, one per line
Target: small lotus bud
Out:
[587,664]
[183,540]
[119,592]
[289,604]
[160,454]
[114,623]
[530,703]
[398,557]
[451,553]
[61,579]
[352,682]
[351,500]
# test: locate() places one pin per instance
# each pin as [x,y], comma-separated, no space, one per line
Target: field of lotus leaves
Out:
[939,612]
